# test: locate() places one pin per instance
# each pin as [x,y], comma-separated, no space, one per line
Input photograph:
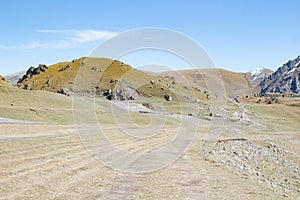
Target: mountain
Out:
[256,76]
[285,79]
[15,77]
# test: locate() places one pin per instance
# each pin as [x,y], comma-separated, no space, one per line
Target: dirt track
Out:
[54,164]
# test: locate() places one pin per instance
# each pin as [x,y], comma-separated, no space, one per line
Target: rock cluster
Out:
[65,91]
[126,93]
[65,68]
[34,71]
[267,164]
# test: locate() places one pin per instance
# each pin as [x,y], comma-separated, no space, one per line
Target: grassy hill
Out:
[234,83]
[86,75]
[32,105]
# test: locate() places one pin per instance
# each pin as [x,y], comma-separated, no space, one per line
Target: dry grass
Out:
[234,83]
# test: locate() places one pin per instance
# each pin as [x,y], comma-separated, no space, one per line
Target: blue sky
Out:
[238,35]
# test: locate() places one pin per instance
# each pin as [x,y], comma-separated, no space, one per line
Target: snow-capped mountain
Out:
[285,79]
[257,75]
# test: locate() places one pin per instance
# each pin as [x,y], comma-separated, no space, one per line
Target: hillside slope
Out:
[234,83]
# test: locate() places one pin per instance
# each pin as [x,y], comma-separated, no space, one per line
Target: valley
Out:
[119,137]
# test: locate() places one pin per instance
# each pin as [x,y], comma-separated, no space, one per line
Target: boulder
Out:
[65,91]
[152,82]
[126,93]
[168,98]
[94,68]
[65,68]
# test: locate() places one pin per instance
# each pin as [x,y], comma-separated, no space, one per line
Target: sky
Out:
[238,35]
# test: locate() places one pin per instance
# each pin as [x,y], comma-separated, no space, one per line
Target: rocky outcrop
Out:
[123,94]
[34,71]
[285,79]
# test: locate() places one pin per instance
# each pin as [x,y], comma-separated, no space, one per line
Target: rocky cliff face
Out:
[285,79]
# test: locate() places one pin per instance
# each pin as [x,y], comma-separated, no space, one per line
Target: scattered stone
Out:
[114,81]
[33,110]
[65,91]
[152,82]
[27,87]
[65,68]
[168,98]
[236,100]
[144,111]
[95,68]
[219,115]
[267,164]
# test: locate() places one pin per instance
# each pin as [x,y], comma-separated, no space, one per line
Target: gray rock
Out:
[65,91]
[65,68]
[168,98]
[152,82]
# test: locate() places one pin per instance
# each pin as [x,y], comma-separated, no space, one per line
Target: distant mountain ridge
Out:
[285,79]
[61,76]
[257,75]
[15,77]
